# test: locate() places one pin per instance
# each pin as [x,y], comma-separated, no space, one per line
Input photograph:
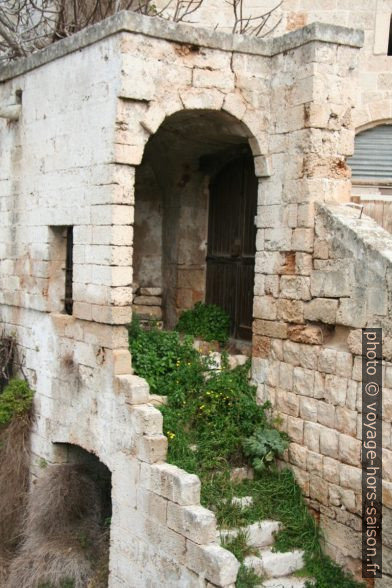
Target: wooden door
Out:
[232,243]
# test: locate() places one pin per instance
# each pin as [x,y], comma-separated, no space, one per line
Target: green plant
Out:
[171,366]
[15,401]
[213,423]
[263,446]
[207,321]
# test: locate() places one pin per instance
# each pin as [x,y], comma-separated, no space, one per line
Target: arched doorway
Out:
[196,188]
[66,533]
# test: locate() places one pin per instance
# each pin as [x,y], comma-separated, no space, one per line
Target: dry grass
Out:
[14,482]
[63,537]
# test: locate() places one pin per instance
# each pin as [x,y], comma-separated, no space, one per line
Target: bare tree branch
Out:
[252,25]
[29,25]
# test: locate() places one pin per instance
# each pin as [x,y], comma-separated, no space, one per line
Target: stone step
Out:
[236,360]
[157,400]
[242,502]
[288,582]
[275,564]
[261,534]
[242,473]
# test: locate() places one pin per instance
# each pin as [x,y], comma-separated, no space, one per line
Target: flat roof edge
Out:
[127,21]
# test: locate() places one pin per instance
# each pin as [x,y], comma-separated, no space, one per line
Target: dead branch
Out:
[29,25]
[255,26]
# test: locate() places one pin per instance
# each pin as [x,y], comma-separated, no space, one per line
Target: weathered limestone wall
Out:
[321,275]
[314,381]
[89,106]
[372,16]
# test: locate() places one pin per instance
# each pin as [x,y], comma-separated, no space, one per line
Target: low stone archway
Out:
[172,197]
[66,532]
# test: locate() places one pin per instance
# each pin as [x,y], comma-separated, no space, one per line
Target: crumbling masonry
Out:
[83,112]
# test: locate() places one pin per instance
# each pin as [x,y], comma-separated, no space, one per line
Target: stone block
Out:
[303,263]
[346,420]
[312,436]
[295,429]
[303,381]
[351,477]
[150,291]
[326,414]
[331,470]
[135,389]
[298,455]
[302,240]
[352,313]
[152,448]
[146,420]
[148,312]
[329,442]
[295,287]
[147,300]
[308,409]
[318,489]
[214,563]
[349,450]
[309,334]
[193,522]
[260,346]
[270,328]
[171,482]
[122,363]
[344,364]
[287,402]
[327,361]
[286,376]
[262,534]
[321,309]
[291,353]
[264,307]
[290,311]
[330,284]
[335,389]
[309,356]
[315,463]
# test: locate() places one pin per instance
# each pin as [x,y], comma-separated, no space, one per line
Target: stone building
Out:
[113,143]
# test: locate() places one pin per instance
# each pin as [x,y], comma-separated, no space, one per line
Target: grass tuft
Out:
[213,424]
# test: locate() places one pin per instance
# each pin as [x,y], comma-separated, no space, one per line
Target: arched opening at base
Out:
[66,534]
[195,202]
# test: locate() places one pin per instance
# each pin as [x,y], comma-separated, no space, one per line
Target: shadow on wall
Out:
[66,534]
[171,208]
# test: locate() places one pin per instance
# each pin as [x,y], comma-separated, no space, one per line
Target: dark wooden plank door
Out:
[232,243]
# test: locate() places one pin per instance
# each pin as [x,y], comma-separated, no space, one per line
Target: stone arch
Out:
[185,149]
[373,123]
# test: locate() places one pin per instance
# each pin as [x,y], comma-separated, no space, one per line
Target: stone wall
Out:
[90,105]
[313,375]
[372,16]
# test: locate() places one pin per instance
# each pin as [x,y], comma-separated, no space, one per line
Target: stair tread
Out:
[275,564]
[259,534]
[287,582]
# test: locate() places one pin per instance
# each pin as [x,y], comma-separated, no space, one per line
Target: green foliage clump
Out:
[171,366]
[263,446]
[213,423]
[206,321]
[15,400]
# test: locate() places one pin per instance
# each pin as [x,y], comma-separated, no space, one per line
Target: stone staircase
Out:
[275,569]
